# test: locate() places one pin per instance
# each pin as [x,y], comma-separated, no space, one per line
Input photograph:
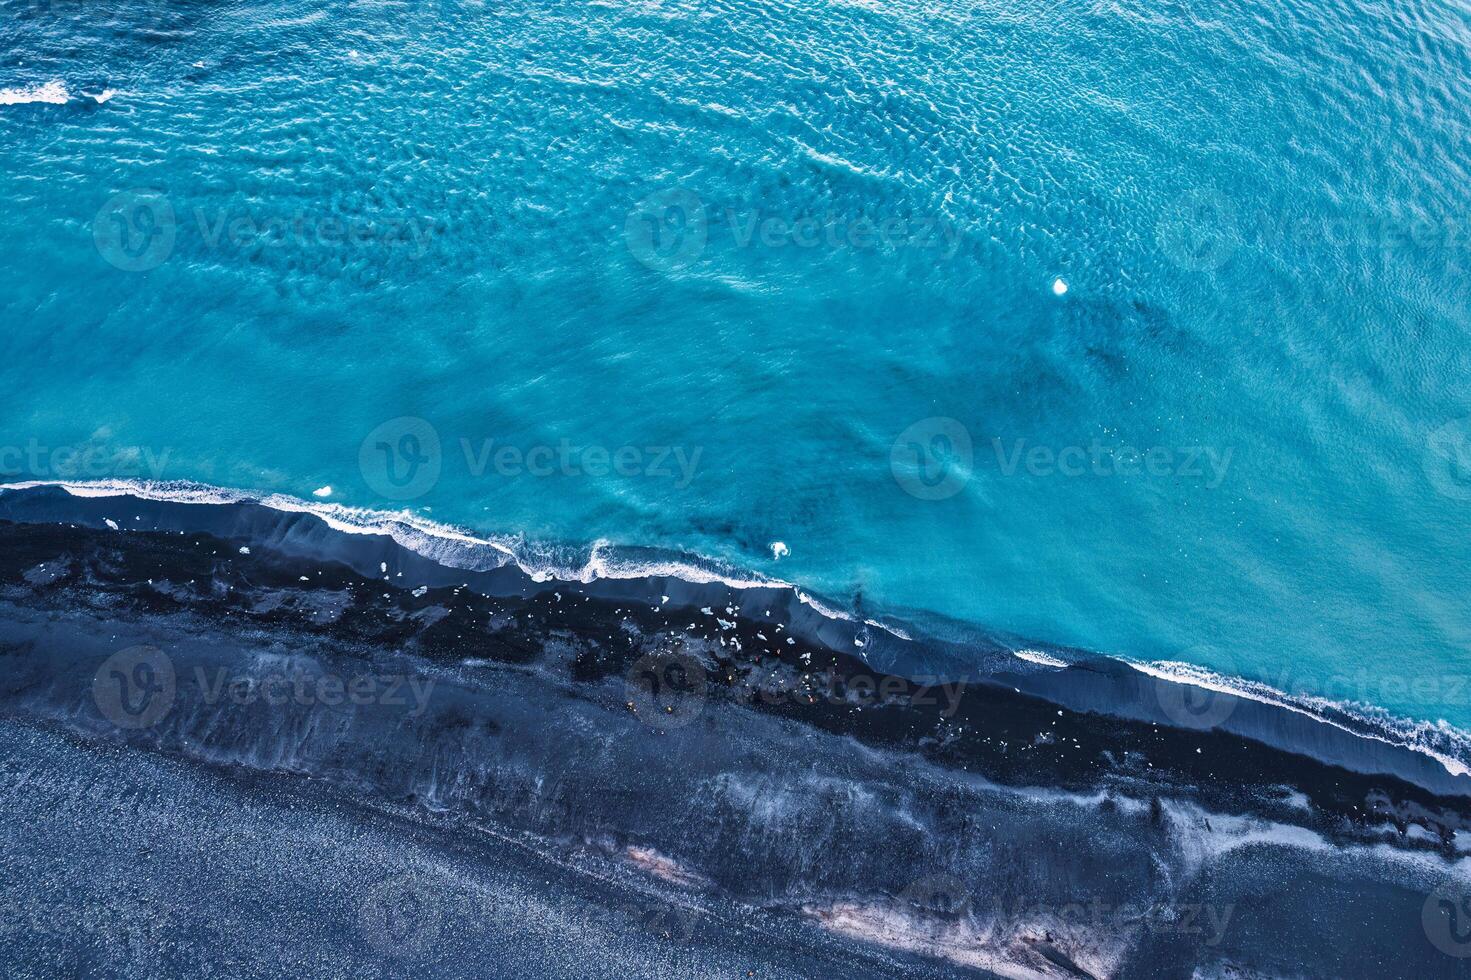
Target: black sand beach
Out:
[650,777]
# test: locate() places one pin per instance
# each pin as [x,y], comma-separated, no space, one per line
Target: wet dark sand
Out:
[788,793]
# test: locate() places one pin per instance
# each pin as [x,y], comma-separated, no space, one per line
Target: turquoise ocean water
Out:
[1137,327]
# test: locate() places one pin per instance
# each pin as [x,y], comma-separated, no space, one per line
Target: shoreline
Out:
[409,553]
[733,757]
[971,823]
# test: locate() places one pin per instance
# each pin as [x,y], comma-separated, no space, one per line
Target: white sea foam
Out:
[53,93]
[1038,657]
[445,544]
[1370,723]
[456,548]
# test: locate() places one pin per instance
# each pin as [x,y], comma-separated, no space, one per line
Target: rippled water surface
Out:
[1139,327]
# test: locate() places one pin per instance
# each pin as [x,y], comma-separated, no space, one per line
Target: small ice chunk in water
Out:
[322,492]
[1059,287]
[244,550]
[779,549]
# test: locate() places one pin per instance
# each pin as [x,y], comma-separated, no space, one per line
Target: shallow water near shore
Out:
[708,278]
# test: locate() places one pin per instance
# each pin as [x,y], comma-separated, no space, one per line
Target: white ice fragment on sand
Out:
[779,549]
[421,591]
[323,491]
[663,599]
[706,610]
[1059,287]
[110,523]
[383,567]
[244,550]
